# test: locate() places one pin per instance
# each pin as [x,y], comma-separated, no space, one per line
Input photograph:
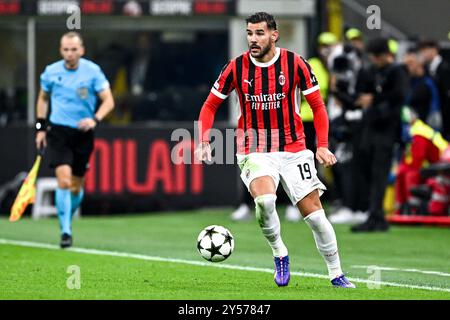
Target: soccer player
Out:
[73,86]
[271,141]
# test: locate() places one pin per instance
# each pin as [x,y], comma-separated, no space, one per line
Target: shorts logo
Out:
[281,79]
[247,173]
[82,93]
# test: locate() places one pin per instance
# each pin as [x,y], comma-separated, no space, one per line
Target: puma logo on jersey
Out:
[248,82]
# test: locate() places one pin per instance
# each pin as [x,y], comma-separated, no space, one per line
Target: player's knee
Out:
[64,183]
[318,221]
[265,205]
[64,176]
[266,202]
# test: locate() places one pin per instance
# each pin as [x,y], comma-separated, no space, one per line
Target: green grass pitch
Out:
[146,243]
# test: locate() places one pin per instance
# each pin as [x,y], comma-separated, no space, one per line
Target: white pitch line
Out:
[436,273]
[206,264]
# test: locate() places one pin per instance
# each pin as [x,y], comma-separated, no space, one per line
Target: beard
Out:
[71,64]
[262,53]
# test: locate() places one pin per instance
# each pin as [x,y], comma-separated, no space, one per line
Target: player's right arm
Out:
[42,108]
[41,116]
[311,91]
[219,92]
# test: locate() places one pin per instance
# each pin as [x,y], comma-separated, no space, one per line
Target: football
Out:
[215,243]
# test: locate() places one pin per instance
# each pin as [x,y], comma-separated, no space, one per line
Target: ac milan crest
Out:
[281,79]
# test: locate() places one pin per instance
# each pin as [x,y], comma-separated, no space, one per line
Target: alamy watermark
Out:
[374,278]
[73,22]
[74,280]
[374,20]
[222,143]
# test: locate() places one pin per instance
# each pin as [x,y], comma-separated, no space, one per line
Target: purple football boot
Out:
[282,274]
[342,282]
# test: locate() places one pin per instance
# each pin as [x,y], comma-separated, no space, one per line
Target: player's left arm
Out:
[323,154]
[310,88]
[102,88]
[106,106]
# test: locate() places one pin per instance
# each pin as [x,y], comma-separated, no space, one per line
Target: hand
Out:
[203,152]
[86,124]
[41,141]
[325,157]
[364,100]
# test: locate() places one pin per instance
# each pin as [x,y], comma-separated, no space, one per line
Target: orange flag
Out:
[26,193]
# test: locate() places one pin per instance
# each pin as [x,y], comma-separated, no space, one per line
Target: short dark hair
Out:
[73,34]
[427,43]
[261,17]
[378,46]
[412,50]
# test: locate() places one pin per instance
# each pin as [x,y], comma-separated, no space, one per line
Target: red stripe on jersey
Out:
[242,138]
[262,135]
[248,77]
[298,119]
[277,129]
[296,130]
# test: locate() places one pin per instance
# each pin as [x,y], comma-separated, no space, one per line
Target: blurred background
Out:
[162,57]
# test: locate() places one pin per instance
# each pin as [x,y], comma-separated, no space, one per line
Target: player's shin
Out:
[76,199]
[269,222]
[63,205]
[326,243]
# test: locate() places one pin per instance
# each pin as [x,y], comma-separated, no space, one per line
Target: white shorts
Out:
[296,171]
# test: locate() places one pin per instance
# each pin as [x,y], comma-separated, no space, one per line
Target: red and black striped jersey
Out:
[269,118]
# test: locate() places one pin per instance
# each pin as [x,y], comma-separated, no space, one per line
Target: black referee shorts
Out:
[70,146]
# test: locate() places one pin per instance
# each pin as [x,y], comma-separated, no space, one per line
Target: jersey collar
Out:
[269,63]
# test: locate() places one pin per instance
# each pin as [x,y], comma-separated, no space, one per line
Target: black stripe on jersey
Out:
[314,81]
[241,93]
[224,67]
[226,88]
[280,119]
[251,92]
[266,113]
[291,70]
[302,78]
